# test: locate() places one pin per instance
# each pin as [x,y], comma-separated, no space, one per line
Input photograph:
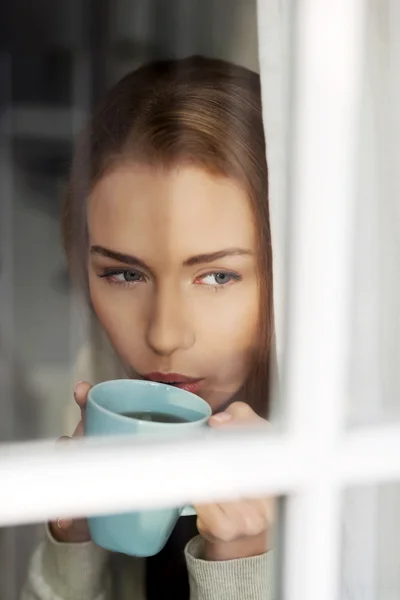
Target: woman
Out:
[166,227]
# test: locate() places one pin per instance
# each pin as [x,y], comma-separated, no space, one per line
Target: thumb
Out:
[238,413]
[81,391]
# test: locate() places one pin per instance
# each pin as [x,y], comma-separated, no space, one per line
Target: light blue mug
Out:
[142,533]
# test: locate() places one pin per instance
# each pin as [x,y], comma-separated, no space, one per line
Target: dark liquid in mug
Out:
[155,417]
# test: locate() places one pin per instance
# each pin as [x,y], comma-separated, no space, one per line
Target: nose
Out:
[168,329]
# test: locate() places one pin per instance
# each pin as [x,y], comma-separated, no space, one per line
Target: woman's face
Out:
[173,277]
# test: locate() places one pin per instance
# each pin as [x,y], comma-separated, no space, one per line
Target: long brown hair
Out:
[200,111]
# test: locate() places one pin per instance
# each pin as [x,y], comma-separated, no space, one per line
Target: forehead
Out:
[185,210]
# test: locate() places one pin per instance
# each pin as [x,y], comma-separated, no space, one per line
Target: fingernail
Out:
[222,417]
[63,523]
[77,386]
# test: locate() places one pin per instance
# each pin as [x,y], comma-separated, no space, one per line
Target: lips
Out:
[177,380]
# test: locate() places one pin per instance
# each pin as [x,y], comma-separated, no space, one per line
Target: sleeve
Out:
[67,572]
[242,579]
[75,571]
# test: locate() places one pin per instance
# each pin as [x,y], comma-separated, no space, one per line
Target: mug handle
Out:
[188,511]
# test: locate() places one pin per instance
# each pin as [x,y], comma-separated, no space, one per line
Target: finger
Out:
[265,507]
[245,518]
[70,530]
[64,524]
[238,413]
[213,524]
[241,411]
[220,419]
[81,391]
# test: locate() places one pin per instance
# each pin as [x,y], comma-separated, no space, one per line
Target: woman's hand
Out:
[68,530]
[235,529]
[231,530]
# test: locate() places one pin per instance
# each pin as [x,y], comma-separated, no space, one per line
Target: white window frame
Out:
[314,458]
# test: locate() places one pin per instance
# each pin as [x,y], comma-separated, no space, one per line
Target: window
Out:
[338,432]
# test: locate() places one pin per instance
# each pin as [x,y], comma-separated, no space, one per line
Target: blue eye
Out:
[122,276]
[128,276]
[219,278]
[222,278]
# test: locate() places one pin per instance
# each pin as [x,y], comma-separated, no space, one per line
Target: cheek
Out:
[228,341]
[120,314]
[230,325]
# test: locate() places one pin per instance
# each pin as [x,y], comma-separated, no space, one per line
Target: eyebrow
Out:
[213,256]
[131,260]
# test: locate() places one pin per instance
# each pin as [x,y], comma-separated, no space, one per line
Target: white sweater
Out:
[87,572]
